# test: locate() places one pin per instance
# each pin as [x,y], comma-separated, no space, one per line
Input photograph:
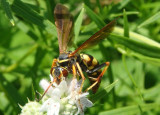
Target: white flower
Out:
[30,108]
[64,98]
[51,106]
[82,102]
[79,99]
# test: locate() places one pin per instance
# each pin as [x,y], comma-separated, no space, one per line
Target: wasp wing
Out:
[94,39]
[64,23]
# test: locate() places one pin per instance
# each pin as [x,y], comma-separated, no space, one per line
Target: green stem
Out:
[131,78]
[110,73]
[14,66]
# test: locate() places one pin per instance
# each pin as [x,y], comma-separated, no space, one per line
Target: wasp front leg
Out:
[82,75]
[54,64]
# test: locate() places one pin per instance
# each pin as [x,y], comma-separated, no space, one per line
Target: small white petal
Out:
[51,77]
[54,109]
[85,102]
[56,94]
[83,95]
[44,84]
[82,102]
[46,105]
[63,87]
[51,107]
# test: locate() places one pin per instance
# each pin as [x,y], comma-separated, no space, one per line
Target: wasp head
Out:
[58,73]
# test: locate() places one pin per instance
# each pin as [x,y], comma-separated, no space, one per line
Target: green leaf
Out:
[28,14]
[146,59]
[94,17]
[25,28]
[100,94]
[150,20]
[123,3]
[131,77]
[136,46]
[149,5]
[154,61]
[11,93]
[131,110]
[78,23]
[138,37]
[99,5]
[127,13]
[126,27]
[7,10]
[14,66]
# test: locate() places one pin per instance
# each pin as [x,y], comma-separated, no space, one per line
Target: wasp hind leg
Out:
[98,79]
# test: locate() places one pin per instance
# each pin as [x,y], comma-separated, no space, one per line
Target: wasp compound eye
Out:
[56,72]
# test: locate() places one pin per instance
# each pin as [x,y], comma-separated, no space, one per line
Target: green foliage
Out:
[29,43]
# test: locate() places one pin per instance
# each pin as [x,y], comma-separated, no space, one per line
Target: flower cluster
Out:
[64,99]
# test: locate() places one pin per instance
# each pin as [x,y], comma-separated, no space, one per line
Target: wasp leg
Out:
[54,63]
[74,77]
[74,71]
[97,80]
[81,74]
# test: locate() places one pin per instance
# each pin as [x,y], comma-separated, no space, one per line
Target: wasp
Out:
[75,62]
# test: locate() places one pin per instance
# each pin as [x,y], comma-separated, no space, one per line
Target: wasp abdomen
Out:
[92,69]
[89,61]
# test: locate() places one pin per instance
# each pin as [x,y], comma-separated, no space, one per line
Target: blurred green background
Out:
[28,44]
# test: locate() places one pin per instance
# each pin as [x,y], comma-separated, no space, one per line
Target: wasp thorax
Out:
[63,59]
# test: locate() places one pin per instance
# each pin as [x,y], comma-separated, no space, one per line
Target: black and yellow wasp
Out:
[75,62]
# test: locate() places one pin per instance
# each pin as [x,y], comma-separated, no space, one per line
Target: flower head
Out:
[65,98]
[62,99]
[30,108]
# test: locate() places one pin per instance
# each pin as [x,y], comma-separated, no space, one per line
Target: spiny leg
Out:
[97,80]
[81,74]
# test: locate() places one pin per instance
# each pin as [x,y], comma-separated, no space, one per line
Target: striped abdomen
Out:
[89,65]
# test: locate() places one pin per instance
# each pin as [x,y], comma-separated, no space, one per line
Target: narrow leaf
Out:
[100,94]
[127,13]
[126,28]
[94,17]
[131,110]
[78,23]
[138,37]
[14,66]
[28,14]
[123,3]
[150,20]
[136,46]
[7,10]
[22,26]
[11,93]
